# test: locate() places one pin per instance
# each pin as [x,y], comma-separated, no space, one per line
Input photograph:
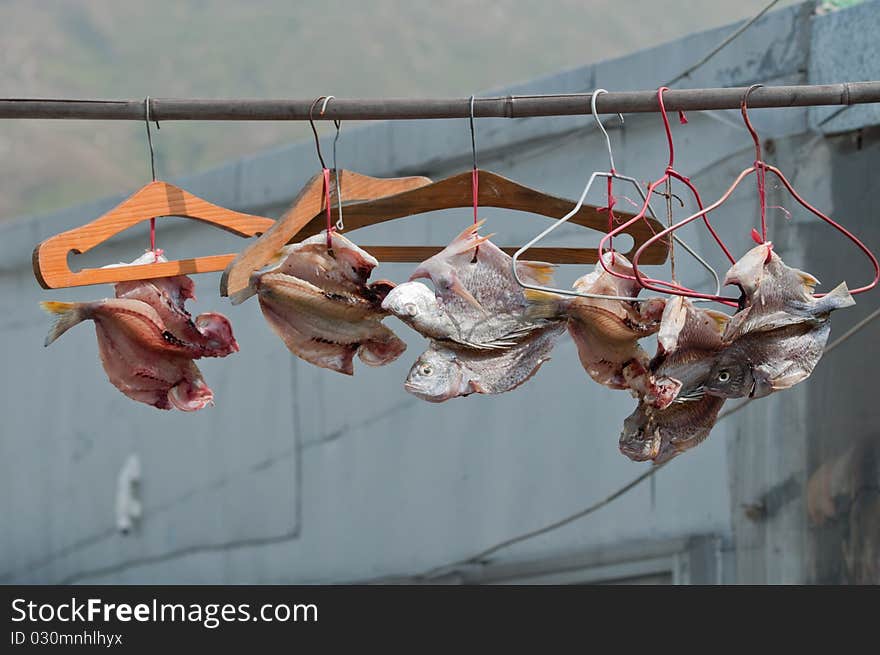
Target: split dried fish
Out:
[443,372]
[330,313]
[606,332]
[140,356]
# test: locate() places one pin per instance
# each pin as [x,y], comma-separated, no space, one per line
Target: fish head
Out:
[748,271]
[731,378]
[436,376]
[639,440]
[218,333]
[416,305]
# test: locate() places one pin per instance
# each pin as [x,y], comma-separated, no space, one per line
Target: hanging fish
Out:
[661,434]
[443,372]
[605,331]
[343,268]
[140,356]
[209,334]
[319,302]
[478,302]
[775,295]
[688,342]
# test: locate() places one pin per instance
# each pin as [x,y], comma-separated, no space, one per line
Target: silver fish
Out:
[775,295]
[444,372]
[661,434]
[479,303]
[759,363]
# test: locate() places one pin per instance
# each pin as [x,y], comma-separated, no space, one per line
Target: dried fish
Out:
[477,301]
[326,328]
[605,331]
[140,356]
[443,372]
[319,302]
[661,434]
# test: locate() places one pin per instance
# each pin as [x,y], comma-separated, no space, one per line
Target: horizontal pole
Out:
[624,102]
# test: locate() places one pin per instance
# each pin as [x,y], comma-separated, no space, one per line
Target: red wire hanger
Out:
[662,286]
[760,168]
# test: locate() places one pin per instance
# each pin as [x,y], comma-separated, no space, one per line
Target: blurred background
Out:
[302,475]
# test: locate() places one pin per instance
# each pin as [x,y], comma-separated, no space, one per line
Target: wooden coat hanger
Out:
[155,199]
[303,221]
[307,217]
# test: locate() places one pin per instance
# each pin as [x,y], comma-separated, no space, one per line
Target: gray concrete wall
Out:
[302,475]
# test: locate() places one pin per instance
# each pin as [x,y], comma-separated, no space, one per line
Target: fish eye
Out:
[411,308]
[724,376]
[426,370]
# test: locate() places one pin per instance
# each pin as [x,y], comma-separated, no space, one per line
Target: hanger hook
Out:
[315,129]
[593,97]
[666,127]
[150,136]
[743,105]
[473,135]
[340,225]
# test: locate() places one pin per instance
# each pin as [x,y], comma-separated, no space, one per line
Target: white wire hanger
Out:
[610,174]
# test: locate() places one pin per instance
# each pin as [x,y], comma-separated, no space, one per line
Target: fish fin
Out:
[459,289]
[808,280]
[537,272]
[240,296]
[838,298]
[788,381]
[720,320]
[381,351]
[541,304]
[467,239]
[67,315]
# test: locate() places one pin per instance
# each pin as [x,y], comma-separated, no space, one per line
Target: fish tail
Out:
[537,272]
[541,304]
[838,298]
[67,315]
[468,239]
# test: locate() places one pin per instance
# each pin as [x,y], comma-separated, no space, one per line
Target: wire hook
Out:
[150,136]
[340,225]
[593,98]
[315,129]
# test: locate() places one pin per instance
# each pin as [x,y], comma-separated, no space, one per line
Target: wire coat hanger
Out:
[482,188]
[610,175]
[760,168]
[662,286]
[153,200]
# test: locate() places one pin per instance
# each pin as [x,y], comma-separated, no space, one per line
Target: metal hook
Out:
[337,124]
[593,98]
[315,129]
[743,106]
[150,136]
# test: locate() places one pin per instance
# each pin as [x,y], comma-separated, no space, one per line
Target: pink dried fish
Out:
[319,302]
[606,332]
[140,356]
